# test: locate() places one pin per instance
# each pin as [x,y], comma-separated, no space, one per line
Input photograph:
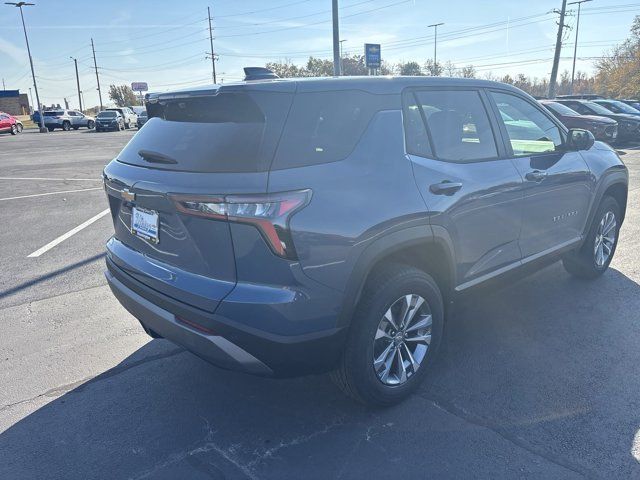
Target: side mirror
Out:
[579,139]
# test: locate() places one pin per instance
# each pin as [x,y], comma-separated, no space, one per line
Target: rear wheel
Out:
[595,255]
[393,338]
[14,129]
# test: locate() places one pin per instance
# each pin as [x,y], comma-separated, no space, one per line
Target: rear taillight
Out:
[269,213]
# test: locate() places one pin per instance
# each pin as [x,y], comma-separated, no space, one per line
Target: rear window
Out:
[228,132]
[53,113]
[107,114]
[325,127]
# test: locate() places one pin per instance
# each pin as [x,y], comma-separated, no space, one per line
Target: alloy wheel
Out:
[402,339]
[605,239]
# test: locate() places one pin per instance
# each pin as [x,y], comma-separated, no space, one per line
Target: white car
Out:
[130,117]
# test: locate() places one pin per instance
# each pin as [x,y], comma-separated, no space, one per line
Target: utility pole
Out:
[4,87]
[435,46]
[31,97]
[213,55]
[75,60]
[95,64]
[556,56]
[341,61]
[33,74]
[337,71]
[575,45]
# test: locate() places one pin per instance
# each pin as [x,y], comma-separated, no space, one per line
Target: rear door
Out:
[468,185]
[557,183]
[198,145]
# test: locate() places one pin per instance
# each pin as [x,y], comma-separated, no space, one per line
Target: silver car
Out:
[67,119]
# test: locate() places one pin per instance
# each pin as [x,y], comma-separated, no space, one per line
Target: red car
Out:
[9,123]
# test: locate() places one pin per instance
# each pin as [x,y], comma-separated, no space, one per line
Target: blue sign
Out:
[372,55]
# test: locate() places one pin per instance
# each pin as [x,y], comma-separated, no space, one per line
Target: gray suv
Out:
[67,119]
[301,226]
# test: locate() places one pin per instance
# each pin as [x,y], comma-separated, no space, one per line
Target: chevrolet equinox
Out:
[289,227]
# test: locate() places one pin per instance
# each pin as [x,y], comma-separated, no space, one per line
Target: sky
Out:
[165,43]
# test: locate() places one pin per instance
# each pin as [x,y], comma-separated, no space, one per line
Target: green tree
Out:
[122,95]
[410,68]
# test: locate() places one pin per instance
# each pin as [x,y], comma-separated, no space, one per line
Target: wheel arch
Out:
[426,247]
[615,184]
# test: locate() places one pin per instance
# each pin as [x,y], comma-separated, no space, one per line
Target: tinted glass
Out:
[107,114]
[530,131]
[52,113]
[325,127]
[624,108]
[597,109]
[458,125]
[560,109]
[416,137]
[228,132]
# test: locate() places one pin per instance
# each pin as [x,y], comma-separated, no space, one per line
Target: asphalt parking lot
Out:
[535,380]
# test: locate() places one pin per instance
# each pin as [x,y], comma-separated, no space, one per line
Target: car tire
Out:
[19,127]
[66,126]
[91,124]
[14,129]
[364,372]
[76,128]
[127,126]
[51,129]
[594,256]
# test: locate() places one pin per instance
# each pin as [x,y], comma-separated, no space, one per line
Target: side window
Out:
[416,137]
[457,124]
[580,108]
[325,127]
[530,131]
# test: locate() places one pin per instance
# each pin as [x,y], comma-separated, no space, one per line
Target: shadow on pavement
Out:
[535,380]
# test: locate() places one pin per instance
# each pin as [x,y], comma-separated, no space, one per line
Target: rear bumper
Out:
[226,342]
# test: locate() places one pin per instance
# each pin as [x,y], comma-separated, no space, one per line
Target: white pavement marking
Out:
[70,233]
[54,179]
[51,193]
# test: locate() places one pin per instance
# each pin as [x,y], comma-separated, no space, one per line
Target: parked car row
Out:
[611,121]
[116,118]
[9,123]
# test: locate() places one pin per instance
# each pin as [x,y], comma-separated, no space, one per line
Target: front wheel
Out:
[14,130]
[91,124]
[66,126]
[19,127]
[595,255]
[393,338]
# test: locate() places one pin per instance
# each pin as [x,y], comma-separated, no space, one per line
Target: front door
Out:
[557,183]
[470,187]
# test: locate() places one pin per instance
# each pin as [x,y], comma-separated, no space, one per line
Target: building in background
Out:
[14,103]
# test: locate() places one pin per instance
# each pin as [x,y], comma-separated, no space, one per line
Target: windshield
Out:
[561,109]
[597,108]
[624,108]
[107,114]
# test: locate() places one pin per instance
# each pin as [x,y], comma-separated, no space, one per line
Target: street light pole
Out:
[336,39]
[33,74]
[575,45]
[435,46]
[75,60]
[341,62]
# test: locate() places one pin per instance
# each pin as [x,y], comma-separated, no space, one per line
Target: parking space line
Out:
[54,179]
[70,233]
[51,193]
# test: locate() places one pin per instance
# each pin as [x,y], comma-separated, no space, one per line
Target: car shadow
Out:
[543,372]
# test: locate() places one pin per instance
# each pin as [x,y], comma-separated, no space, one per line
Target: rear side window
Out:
[229,132]
[325,127]
[457,126]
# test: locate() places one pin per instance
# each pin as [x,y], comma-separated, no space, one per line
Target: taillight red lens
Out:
[270,213]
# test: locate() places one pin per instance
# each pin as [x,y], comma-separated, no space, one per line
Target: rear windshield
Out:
[53,113]
[228,132]
[107,114]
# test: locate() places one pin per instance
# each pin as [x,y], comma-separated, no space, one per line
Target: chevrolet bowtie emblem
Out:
[127,196]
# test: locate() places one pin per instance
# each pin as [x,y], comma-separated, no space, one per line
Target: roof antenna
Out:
[258,73]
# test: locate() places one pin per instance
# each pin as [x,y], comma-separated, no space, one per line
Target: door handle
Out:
[445,188]
[535,176]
